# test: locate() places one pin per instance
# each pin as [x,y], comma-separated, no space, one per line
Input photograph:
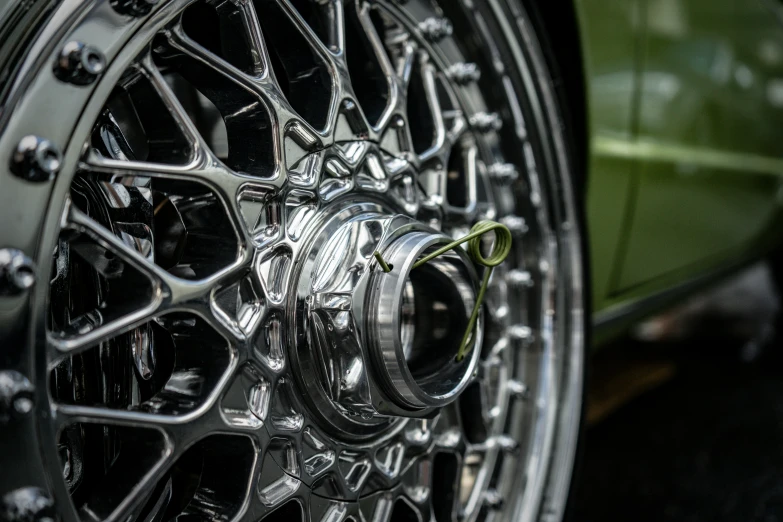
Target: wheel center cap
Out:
[374,345]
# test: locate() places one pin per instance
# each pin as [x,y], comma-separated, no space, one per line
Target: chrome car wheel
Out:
[216,339]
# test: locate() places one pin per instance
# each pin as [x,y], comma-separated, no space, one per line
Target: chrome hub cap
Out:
[365,343]
[217,339]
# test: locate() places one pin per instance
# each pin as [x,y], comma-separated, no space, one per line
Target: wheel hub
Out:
[365,350]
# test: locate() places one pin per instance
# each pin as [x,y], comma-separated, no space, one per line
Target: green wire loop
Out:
[500,251]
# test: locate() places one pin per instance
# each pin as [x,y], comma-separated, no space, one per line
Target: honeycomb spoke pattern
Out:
[190,221]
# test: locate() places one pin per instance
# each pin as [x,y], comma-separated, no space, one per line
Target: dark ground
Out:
[702,441]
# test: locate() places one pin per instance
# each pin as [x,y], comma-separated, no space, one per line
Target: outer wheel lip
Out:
[71,156]
[531,64]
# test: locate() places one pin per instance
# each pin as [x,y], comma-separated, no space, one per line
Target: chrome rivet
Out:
[518,390]
[515,224]
[485,122]
[492,499]
[519,332]
[16,395]
[506,444]
[503,173]
[28,505]
[519,278]
[134,7]
[436,29]
[79,63]
[17,272]
[36,159]
[464,73]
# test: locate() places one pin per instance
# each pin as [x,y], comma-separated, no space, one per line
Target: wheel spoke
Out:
[206,170]
[172,103]
[395,85]
[71,413]
[64,345]
[255,40]
[168,290]
[406,63]
[169,293]
[160,279]
[307,31]
[124,476]
[336,25]
[287,123]
[179,430]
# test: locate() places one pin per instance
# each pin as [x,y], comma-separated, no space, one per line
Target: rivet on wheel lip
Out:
[36,159]
[17,272]
[515,224]
[79,63]
[519,278]
[506,444]
[28,504]
[520,332]
[16,395]
[464,73]
[518,390]
[436,29]
[504,173]
[492,499]
[486,122]
[134,8]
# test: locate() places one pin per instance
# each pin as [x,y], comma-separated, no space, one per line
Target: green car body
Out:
[685,119]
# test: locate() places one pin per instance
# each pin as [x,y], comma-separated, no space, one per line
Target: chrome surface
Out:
[36,159]
[79,63]
[17,272]
[354,352]
[16,395]
[28,504]
[464,73]
[505,173]
[134,7]
[427,374]
[201,241]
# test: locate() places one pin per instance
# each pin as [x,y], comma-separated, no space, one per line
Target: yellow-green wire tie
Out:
[500,251]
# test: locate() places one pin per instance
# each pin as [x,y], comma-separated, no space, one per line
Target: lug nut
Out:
[436,29]
[79,63]
[485,122]
[134,8]
[503,173]
[464,73]
[16,396]
[28,505]
[36,159]
[17,272]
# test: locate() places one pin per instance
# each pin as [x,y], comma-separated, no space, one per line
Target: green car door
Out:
[686,103]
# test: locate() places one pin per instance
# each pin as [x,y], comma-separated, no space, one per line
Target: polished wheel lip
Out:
[71,156]
[557,482]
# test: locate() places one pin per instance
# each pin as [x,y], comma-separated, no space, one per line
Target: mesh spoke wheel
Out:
[198,350]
